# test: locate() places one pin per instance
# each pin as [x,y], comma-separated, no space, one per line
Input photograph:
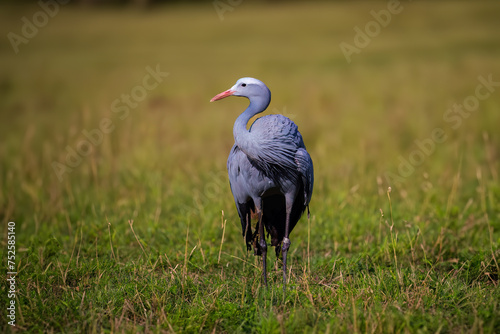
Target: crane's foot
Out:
[284,250]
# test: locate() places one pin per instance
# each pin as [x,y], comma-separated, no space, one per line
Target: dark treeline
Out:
[131,2]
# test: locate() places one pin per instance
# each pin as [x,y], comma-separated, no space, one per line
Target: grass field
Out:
[136,230]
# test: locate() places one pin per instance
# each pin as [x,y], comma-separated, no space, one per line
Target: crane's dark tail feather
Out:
[274,217]
[245,211]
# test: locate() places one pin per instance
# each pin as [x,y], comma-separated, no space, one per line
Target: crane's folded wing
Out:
[305,167]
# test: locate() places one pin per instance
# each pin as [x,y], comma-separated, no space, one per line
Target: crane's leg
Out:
[286,241]
[262,242]
[248,230]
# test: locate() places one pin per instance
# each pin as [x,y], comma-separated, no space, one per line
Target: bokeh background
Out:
[162,161]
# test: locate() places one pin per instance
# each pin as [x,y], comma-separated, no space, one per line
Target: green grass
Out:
[420,258]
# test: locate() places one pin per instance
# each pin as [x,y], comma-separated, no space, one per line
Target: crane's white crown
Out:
[249,81]
[248,87]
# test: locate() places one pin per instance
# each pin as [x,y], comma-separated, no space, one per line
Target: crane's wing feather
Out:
[277,140]
[305,166]
[238,187]
[235,162]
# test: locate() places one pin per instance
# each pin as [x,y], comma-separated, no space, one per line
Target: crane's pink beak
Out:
[222,95]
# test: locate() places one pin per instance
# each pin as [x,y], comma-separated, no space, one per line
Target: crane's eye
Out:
[243,85]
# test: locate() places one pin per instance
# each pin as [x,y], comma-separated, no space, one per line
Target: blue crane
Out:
[270,172]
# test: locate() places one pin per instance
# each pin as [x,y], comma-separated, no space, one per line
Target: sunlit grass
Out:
[420,258]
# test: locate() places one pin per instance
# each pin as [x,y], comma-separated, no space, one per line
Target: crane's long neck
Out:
[243,137]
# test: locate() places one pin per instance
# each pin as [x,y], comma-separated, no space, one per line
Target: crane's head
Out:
[246,87]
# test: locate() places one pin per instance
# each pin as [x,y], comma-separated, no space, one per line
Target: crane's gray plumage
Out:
[270,171]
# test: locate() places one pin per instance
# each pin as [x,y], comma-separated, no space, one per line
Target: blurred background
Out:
[105,119]
[104,106]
